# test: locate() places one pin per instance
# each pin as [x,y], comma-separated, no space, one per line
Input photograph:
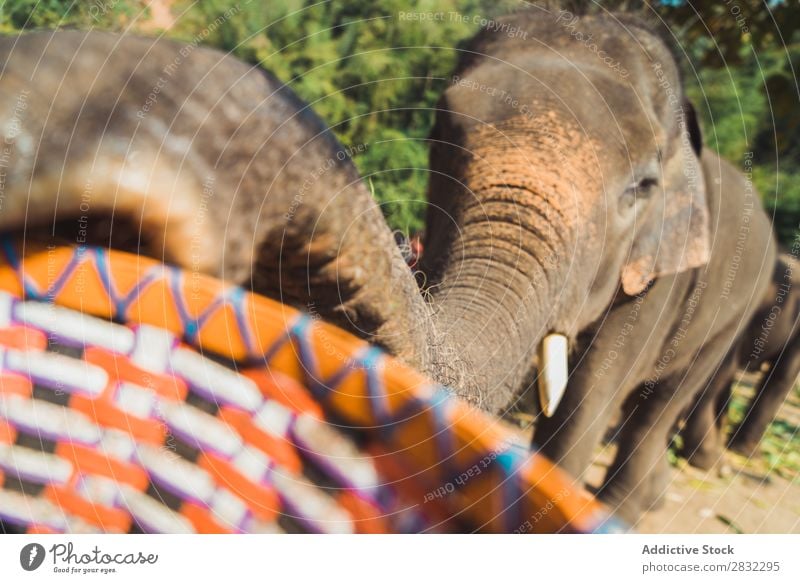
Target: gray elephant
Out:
[189,155]
[773,339]
[570,195]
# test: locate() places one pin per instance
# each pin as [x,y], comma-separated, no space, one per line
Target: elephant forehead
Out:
[554,160]
[540,93]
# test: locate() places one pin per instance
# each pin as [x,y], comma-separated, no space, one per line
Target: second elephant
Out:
[773,339]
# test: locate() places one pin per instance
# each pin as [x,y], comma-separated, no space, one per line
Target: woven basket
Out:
[138,397]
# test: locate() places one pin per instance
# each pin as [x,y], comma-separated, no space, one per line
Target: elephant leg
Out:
[771,393]
[702,439]
[629,488]
[724,402]
[655,488]
[569,437]
[653,498]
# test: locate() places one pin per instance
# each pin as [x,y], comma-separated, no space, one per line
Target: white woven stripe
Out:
[274,418]
[28,510]
[228,509]
[152,515]
[253,463]
[76,326]
[220,384]
[339,452]
[152,348]
[58,371]
[33,465]
[312,504]
[136,400]
[49,420]
[6,306]
[207,432]
[117,444]
[99,490]
[179,475]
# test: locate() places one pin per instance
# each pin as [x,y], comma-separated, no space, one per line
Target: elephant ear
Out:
[675,236]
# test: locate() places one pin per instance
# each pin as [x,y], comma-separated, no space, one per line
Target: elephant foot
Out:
[704,458]
[656,499]
[702,449]
[655,496]
[744,448]
[625,506]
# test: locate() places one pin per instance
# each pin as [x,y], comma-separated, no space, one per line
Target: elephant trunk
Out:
[506,231]
[499,294]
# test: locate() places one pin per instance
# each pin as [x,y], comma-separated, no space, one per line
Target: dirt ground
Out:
[746,502]
[760,494]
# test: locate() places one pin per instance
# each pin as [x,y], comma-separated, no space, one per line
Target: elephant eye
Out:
[645,186]
[639,190]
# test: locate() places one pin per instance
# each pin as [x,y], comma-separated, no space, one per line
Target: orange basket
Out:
[138,397]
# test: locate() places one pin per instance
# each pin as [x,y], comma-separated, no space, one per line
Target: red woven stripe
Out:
[108,519]
[14,384]
[7,432]
[285,390]
[23,338]
[277,448]
[121,369]
[106,414]
[202,520]
[90,461]
[262,500]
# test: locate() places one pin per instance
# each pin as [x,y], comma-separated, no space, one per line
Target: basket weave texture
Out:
[139,397]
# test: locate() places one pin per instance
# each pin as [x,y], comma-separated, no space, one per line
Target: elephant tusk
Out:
[553,372]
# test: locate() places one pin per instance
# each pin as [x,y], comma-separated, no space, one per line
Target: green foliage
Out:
[780,191]
[731,105]
[744,88]
[34,14]
[369,70]
[725,33]
[744,111]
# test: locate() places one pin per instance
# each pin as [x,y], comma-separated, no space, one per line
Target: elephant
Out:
[584,205]
[772,338]
[568,183]
[189,155]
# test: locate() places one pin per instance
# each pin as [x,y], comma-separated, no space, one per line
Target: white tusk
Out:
[553,372]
